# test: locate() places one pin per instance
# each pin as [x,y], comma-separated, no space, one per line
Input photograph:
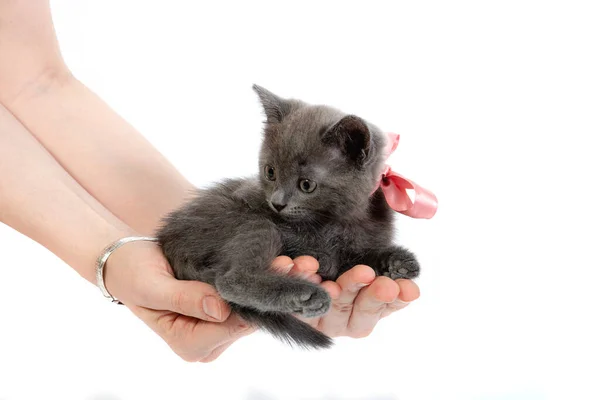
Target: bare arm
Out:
[39,199]
[104,154]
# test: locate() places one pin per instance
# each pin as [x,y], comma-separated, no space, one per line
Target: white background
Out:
[498,107]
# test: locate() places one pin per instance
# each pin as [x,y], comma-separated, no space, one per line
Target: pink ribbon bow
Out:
[394,188]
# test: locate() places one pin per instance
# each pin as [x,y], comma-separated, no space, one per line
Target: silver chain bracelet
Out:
[101,261]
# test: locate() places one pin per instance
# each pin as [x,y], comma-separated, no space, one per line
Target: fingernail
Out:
[287,268]
[212,307]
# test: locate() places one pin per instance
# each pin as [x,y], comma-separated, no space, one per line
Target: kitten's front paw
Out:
[311,301]
[402,265]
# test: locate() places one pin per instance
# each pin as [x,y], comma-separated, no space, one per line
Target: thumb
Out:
[192,298]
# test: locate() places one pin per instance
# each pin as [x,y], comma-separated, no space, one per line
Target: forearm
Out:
[104,154]
[39,199]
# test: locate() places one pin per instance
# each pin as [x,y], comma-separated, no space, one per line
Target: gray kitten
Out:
[313,196]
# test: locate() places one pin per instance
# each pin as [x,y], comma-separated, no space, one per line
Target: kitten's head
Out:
[317,162]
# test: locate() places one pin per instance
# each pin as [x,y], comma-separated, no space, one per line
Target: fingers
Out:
[208,339]
[333,288]
[370,305]
[214,335]
[335,322]
[408,291]
[190,338]
[304,266]
[282,264]
[191,298]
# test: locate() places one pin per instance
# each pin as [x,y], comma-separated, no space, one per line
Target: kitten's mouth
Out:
[293,213]
[277,210]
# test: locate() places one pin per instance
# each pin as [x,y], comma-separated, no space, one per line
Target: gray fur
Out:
[228,235]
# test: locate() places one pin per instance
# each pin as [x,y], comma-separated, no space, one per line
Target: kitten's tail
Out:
[284,327]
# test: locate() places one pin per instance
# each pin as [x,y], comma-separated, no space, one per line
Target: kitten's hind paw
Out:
[311,301]
[402,266]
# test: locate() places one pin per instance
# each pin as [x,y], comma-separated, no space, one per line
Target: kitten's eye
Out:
[269,172]
[307,186]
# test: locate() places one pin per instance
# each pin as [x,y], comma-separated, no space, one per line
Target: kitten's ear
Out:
[275,107]
[352,135]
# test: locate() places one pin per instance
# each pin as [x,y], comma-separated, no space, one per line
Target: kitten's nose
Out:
[278,206]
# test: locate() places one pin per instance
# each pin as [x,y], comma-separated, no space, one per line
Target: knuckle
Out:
[178,300]
[239,330]
[208,359]
[360,333]
[166,327]
[342,308]
[193,358]
[372,310]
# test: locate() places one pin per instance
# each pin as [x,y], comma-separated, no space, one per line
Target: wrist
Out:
[18,86]
[133,266]
[105,255]
[86,267]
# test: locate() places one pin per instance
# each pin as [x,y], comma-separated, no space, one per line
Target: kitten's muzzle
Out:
[279,200]
[278,207]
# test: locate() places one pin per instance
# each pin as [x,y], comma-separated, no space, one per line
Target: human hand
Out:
[188,315]
[359,298]
[198,325]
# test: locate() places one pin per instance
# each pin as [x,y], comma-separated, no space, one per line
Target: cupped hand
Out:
[188,315]
[198,325]
[359,298]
